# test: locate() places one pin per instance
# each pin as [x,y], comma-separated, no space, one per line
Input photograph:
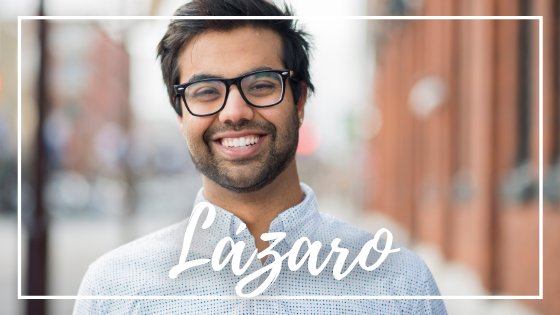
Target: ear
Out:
[177,105]
[182,126]
[301,101]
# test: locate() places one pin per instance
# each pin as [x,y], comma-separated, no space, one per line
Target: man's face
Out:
[241,148]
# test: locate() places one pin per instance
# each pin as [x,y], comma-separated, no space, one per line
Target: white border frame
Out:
[303,297]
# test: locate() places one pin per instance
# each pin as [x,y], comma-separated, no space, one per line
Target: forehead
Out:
[230,53]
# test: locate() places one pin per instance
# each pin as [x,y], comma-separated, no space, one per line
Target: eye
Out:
[204,91]
[204,95]
[262,86]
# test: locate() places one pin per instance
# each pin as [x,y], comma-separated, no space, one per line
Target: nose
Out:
[236,109]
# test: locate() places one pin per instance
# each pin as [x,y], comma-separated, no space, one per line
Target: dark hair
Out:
[295,42]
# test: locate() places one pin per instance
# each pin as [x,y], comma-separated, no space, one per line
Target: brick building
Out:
[458,150]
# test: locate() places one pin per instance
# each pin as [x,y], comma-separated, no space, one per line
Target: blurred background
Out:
[428,128]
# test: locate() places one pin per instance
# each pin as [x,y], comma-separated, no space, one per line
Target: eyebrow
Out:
[205,76]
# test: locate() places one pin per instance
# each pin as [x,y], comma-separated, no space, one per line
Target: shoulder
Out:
[126,269]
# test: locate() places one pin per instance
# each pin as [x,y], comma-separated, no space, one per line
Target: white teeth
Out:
[239,142]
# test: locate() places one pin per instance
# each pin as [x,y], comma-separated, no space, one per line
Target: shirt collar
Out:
[298,221]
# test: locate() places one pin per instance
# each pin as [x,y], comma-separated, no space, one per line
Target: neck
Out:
[257,209]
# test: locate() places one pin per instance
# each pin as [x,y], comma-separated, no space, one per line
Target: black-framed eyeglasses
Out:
[262,88]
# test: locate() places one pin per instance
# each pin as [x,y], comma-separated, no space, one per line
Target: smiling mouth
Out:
[240,142]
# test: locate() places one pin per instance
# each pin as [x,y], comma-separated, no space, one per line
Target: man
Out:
[239,88]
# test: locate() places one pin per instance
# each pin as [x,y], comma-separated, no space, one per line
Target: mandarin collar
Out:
[297,221]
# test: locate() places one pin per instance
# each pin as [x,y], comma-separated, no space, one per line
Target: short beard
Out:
[280,156]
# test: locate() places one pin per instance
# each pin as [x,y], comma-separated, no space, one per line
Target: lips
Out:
[238,145]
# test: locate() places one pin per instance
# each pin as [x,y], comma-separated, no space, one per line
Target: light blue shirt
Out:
[141,268]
